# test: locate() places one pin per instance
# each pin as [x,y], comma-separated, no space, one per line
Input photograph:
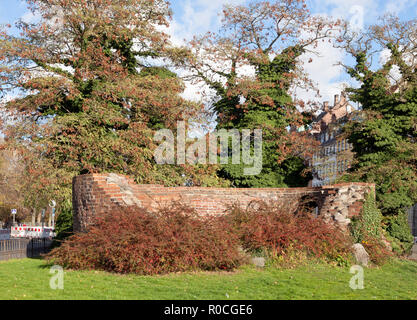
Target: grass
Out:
[29,279]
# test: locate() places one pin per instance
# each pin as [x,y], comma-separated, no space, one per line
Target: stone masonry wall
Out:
[96,194]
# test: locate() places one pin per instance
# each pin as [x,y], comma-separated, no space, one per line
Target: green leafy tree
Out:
[267,108]
[369,223]
[91,96]
[384,135]
[63,226]
[262,37]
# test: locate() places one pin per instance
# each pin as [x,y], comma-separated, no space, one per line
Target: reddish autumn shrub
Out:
[280,229]
[378,252]
[133,240]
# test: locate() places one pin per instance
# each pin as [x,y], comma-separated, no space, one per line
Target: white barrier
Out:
[4,234]
[31,232]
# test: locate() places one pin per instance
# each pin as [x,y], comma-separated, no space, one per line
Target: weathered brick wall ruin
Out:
[98,193]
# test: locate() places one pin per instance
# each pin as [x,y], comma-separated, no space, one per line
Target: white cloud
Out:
[399,6]
[343,8]
[325,72]
[198,17]
[29,17]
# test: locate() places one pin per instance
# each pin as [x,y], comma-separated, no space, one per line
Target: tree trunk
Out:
[33,216]
[39,217]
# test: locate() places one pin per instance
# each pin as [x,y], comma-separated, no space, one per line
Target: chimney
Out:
[336,100]
[326,106]
[343,98]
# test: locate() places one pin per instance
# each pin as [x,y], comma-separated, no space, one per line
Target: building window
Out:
[338,146]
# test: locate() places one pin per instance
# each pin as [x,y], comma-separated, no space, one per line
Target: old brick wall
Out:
[98,193]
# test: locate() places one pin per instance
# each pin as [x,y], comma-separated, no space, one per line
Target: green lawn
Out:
[29,279]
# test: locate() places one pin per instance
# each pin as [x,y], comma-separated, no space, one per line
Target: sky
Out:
[193,17]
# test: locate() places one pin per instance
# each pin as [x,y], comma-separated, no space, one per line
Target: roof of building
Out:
[332,114]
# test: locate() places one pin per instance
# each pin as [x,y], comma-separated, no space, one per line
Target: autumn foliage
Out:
[252,64]
[132,240]
[274,229]
[93,91]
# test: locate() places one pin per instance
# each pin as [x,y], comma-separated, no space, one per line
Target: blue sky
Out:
[199,16]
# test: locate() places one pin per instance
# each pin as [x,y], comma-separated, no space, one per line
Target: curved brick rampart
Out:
[95,194]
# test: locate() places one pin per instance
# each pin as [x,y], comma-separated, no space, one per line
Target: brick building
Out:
[335,154]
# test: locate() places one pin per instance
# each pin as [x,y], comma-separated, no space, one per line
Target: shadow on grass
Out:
[46,264]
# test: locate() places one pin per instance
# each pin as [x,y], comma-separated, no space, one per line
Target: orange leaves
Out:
[298,144]
[86,108]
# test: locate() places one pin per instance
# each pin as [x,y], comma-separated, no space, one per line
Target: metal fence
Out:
[412,220]
[23,248]
[4,234]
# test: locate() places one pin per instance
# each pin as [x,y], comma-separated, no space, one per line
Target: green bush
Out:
[369,223]
[399,233]
[63,226]
[366,229]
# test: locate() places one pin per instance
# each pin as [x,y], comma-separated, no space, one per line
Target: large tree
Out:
[251,64]
[92,92]
[385,134]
